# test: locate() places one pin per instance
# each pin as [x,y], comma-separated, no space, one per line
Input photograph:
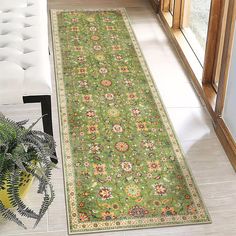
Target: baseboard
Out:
[226,140]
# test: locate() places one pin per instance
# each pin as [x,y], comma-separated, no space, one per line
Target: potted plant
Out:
[24,154]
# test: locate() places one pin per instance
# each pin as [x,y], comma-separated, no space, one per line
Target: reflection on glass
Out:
[195,24]
[172,3]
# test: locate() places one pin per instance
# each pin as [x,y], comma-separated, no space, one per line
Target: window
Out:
[203,34]
[195,19]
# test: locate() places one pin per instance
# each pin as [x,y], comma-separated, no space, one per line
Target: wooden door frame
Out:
[221,128]
[216,64]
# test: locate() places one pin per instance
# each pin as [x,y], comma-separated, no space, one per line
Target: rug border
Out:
[156,97]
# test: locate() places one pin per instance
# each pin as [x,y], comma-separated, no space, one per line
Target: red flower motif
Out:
[122,146]
[131,96]
[95,37]
[138,211]
[82,71]
[87,98]
[116,47]
[99,169]
[74,29]
[119,57]
[106,83]
[78,48]
[110,27]
[92,129]
[154,165]
[74,19]
[90,113]
[83,217]
[168,211]
[123,69]
[105,193]
[141,126]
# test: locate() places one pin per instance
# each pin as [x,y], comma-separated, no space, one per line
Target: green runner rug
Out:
[123,166]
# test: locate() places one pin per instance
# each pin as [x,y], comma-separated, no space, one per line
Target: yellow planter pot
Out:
[24,186]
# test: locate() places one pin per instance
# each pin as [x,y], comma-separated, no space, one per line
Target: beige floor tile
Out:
[191,123]
[178,95]
[204,154]
[56,233]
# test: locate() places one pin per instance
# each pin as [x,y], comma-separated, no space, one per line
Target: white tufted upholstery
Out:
[24,58]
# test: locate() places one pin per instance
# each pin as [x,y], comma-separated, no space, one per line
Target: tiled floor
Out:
[214,175]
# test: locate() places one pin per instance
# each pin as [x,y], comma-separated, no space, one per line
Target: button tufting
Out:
[23,50]
[26,50]
[3,45]
[28,15]
[4,32]
[27,25]
[26,37]
[6,11]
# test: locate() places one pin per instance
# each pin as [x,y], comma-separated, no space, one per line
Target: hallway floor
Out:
[213,172]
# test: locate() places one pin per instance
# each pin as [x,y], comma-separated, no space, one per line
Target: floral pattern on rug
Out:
[123,165]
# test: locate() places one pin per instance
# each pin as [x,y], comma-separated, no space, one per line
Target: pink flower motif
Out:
[74,19]
[119,57]
[90,113]
[86,164]
[159,189]
[136,112]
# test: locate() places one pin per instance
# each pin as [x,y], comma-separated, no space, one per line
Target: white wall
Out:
[229,114]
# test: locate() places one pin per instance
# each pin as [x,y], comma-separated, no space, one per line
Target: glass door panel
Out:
[195,24]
